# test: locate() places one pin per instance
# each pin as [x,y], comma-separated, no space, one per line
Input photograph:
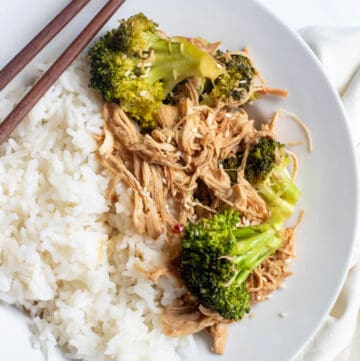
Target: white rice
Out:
[56,257]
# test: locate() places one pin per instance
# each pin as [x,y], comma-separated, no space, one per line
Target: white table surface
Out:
[300,13]
[295,13]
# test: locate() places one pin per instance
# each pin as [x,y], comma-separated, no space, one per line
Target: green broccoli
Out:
[137,67]
[233,86]
[266,169]
[261,160]
[217,256]
[231,165]
[279,189]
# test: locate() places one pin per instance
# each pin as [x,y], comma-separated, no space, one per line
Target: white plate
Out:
[327,177]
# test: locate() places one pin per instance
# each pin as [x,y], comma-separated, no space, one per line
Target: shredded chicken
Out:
[220,334]
[273,91]
[186,319]
[166,270]
[303,126]
[189,317]
[167,164]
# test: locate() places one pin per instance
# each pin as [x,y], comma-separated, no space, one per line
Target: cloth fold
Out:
[339,53]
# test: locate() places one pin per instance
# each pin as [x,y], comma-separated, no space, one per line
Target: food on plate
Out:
[201,174]
[147,207]
[137,67]
[217,255]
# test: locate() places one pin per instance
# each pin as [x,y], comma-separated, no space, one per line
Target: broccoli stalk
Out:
[137,68]
[177,59]
[218,255]
[279,190]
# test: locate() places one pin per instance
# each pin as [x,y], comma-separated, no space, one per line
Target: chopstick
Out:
[14,66]
[59,66]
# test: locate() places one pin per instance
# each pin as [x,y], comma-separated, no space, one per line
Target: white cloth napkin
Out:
[338,49]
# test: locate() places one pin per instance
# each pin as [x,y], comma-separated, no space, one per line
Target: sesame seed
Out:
[195,130]
[194,204]
[167,207]
[164,181]
[198,136]
[283,286]
[288,261]
[258,298]
[132,76]
[168,139]
[282,314]
[219,66]
[124,56]
[143,93]
[242,81]
[181,47]
[264,279]
[178,154]
[238,224]
[227,115]
[127,73]
[196,232]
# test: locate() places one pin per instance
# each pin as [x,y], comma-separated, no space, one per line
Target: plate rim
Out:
[354,162]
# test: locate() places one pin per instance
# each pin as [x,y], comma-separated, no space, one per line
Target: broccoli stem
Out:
[279,191]
[254,250]
[176,60]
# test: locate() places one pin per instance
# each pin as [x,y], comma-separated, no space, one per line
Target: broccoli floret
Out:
[134,35]
[233,86]
[231,165]
[136,67]
[266,169]
[261,160]
[217,257]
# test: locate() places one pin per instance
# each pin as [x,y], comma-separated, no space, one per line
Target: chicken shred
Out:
[220,334]
[169,163]
[186,319]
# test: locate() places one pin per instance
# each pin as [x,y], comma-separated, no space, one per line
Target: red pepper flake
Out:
[178,228]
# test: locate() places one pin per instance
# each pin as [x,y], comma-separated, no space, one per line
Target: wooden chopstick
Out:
[65,59]
[11,69]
